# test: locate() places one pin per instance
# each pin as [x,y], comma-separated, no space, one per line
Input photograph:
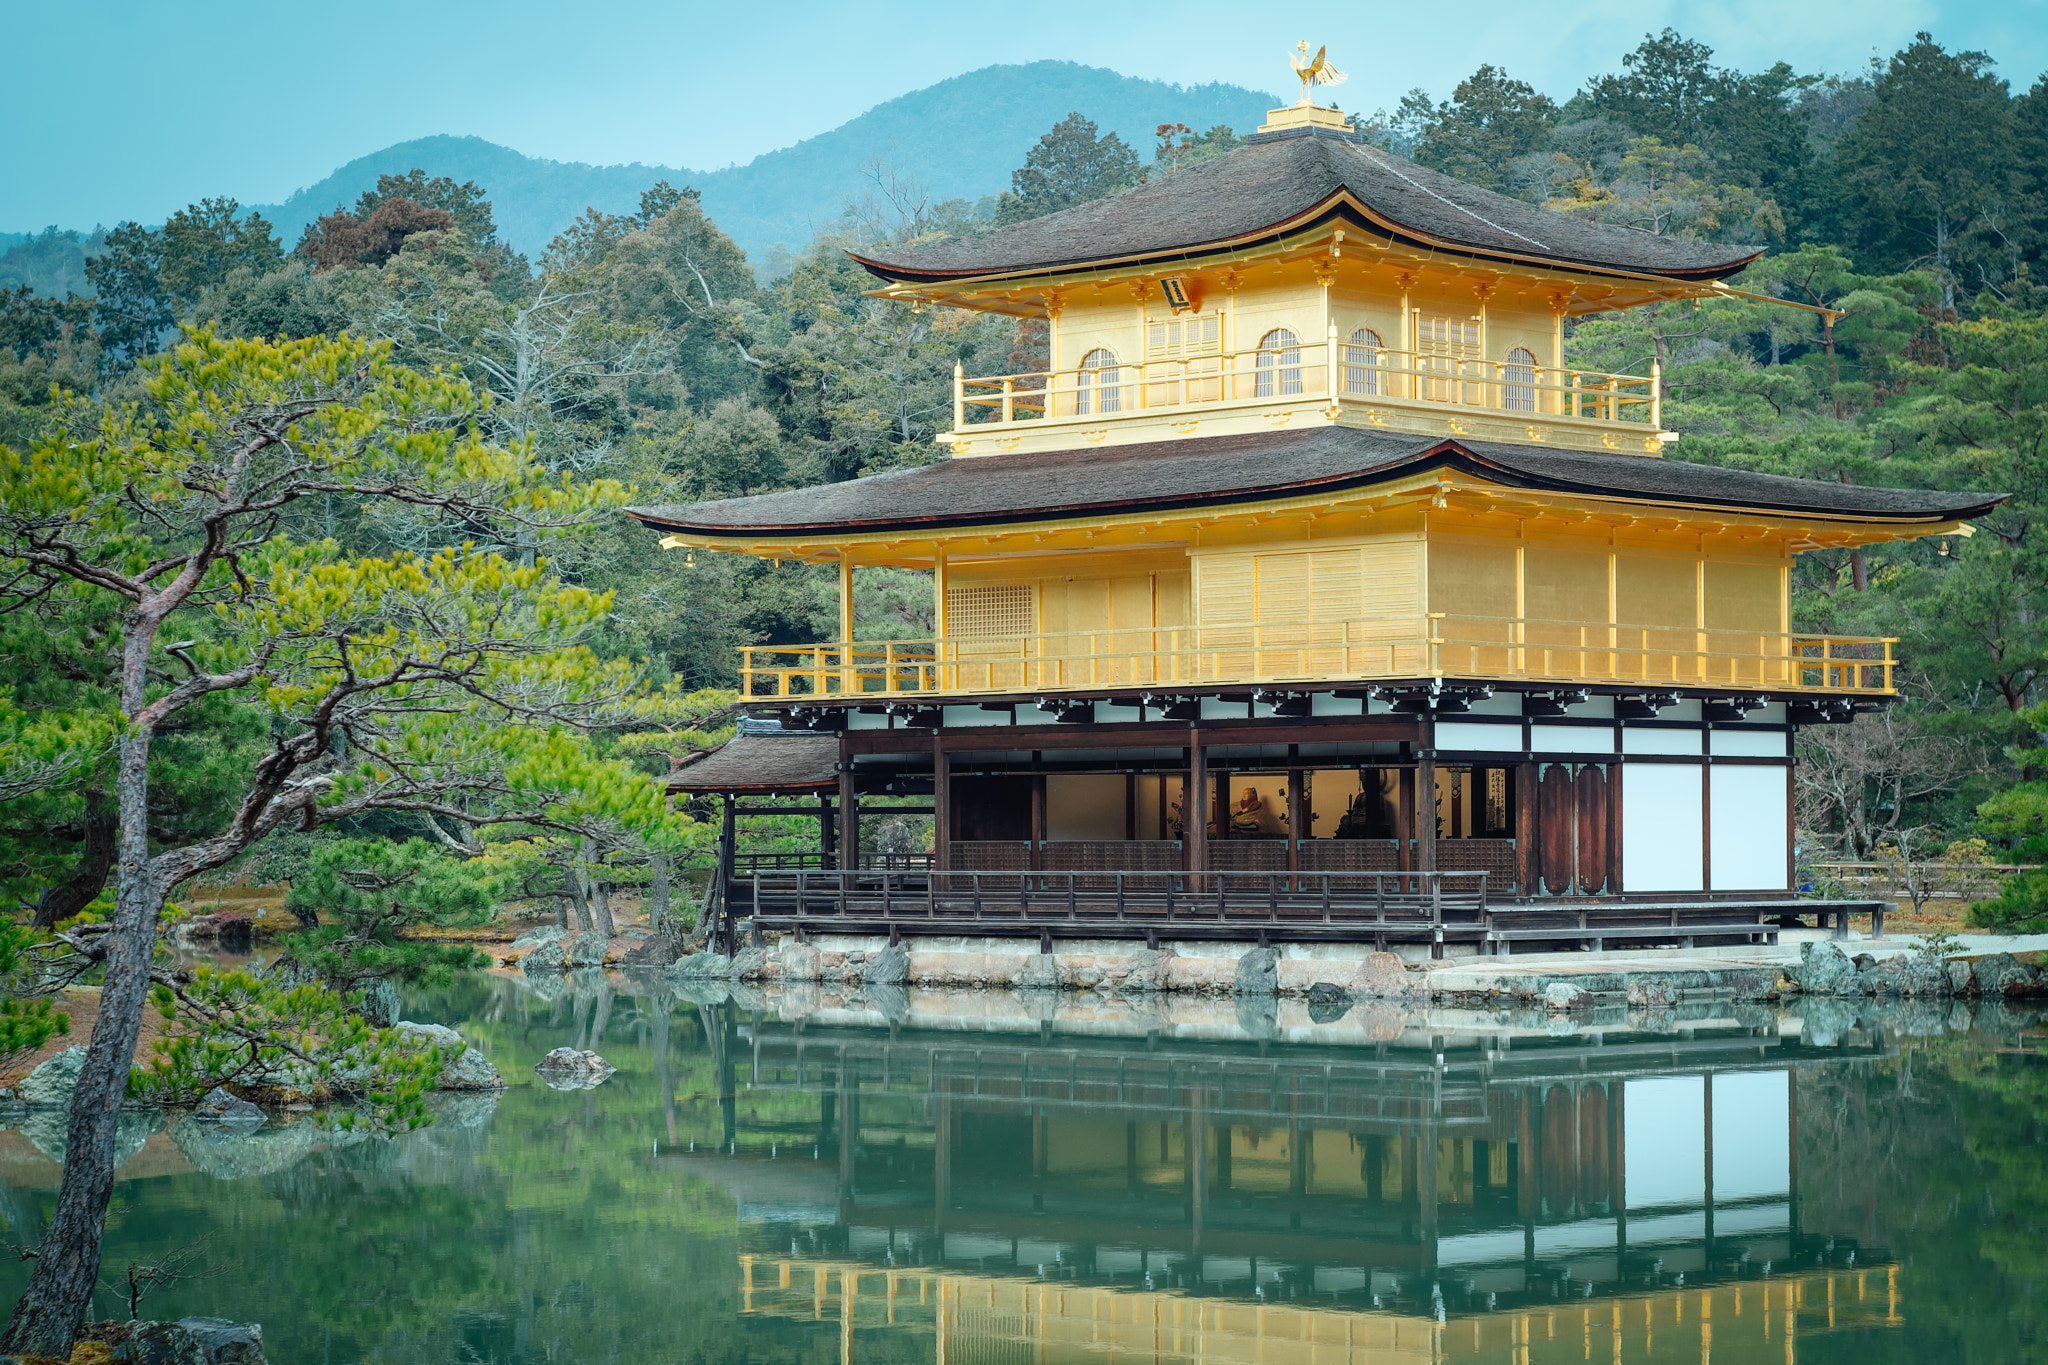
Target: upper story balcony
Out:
[1389,649]
[1284,380]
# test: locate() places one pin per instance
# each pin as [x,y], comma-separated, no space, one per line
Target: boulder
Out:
[1258,973]
[2000,974]
[190,1341]
[149,1343]
[890,967]
[1824,970]
[568,1069]
[227,1343]
[1328,1002]
[1823,1022]
[468,1069]
[750,962]
[1919,974]
[657,950]
[1649,993]
[1382,976]
[222,1106]
[1560,996]
[547,933]
[1148,970]
[50,1085]
[586,949]
[1040,972]
[548,957]
[1959,978]
[701,967]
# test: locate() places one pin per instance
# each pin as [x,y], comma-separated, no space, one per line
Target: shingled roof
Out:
[1282,182]
[1219,470]
[789,761]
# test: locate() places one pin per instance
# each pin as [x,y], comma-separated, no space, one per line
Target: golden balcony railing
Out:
[1319,369]
[1438,644]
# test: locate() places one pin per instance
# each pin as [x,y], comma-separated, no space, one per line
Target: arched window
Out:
[1096,389]
[1362,362]
[1279,370]
[1518,381]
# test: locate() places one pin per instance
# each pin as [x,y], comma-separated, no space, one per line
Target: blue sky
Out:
[124,109]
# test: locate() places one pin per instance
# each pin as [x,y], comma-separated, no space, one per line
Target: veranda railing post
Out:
[959,395]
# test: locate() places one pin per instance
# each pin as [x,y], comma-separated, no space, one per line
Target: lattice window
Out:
[1198,342]
[1442,346]
[990,611]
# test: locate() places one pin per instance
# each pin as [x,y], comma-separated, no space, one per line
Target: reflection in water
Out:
[967,1177]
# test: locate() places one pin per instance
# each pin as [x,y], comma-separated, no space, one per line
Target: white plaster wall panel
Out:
[1748,811]
[1487,738]
[1751,1129]
[1593,708]
[1499,704]
[1571,739]
[1662,847]
[857,720]
[1664,1132]
[957,717]
[1749,743]
[1634,741]
[1323,704]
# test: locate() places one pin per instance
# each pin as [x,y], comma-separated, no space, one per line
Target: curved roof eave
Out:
[1445,454]
[1326,207]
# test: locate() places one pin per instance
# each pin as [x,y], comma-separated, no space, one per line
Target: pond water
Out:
[991,1177]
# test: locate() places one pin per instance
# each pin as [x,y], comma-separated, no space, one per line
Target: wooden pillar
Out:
[826,853]
[1037,856]
[1792,1148]
[846,621]
[849,818]
[1195,1152]
[1404,820]
[1425,813]
[942,804]
[947,677]
[1617,1163]
[1297,818]
[1528,866]
[1194,805]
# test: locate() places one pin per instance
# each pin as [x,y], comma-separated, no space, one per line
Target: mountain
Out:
[961,137]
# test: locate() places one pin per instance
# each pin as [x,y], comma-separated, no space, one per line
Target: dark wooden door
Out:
[1572,823]
[1556,825]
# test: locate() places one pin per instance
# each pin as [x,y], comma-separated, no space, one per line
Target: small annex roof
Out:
[761,761]
[1277,183]
[1157,476]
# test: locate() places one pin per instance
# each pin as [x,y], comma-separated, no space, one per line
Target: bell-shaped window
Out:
[1518,381]
[1096,387]
[1279,365]
[1362,363]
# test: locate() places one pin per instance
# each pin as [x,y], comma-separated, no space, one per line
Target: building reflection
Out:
[1466,1188]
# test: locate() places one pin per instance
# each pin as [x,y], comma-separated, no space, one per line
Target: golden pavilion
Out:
[1309,593]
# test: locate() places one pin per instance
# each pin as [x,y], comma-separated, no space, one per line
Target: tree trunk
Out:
[657,898]
[95,864]
[574,878]
[51,1312]
[601,902]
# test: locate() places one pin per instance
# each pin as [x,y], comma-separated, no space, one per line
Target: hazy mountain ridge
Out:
[962,137]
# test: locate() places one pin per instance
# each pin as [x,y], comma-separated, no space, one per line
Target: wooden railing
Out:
[1061,902]
[1437,644]
[1313,369]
